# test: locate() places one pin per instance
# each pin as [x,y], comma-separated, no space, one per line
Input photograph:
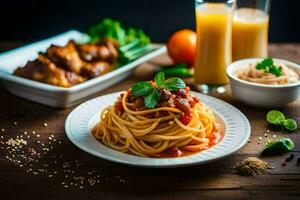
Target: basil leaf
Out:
[290,124]
[174,84]
[152,100]
[143,88]
[275,117]
[279,146]
[159,79]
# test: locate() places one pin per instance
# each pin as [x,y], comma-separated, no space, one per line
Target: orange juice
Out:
[213,21]
[249,33]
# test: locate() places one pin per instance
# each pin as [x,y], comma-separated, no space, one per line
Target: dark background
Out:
[31,20]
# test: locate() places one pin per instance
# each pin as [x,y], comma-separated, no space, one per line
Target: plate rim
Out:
[244,140]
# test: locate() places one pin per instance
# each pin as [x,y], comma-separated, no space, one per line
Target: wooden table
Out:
[60,170]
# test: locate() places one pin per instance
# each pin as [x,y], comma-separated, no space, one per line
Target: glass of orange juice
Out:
[250,29]
[214,29]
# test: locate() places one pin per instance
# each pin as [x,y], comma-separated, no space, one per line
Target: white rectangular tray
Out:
[53,95]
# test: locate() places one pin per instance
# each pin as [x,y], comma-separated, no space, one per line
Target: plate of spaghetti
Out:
[158,123]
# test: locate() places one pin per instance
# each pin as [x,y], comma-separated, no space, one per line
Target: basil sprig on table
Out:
[279,146]
[151,93]
[268,66]
[277,118]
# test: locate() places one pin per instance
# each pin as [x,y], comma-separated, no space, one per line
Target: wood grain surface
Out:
[50,167]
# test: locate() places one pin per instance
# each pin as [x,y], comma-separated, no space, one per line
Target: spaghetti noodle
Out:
[164,131]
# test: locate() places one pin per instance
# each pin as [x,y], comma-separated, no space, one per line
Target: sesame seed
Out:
[259,138]
[15,123]
[3,130]
[266,135]
[45,124]
[37,135]
[268,131]
[274,136]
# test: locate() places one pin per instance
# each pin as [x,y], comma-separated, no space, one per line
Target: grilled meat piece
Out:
[66,57]
[71,64]
[43,70]
[95,69]
[106,50]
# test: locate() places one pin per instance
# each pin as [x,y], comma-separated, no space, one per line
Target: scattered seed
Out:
[266,135]
[15,123]
[274,136]
[45,124]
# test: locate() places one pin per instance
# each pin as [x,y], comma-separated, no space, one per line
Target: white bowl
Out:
[262,95]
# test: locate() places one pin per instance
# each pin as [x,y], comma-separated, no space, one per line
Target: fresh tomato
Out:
[182,46]
[214,138]
[186,118]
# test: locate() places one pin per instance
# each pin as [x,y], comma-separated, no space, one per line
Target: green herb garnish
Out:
[268,66]
[279,146]
[181,70]
[133,41]
[153,99]
[290,124]
[151,93]
[277,118]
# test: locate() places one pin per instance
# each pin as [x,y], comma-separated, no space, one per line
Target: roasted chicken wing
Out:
[43,70]
[106,50]
[71,64]
[66,57]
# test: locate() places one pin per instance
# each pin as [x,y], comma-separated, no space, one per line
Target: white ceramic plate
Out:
[81,120]
[58,96]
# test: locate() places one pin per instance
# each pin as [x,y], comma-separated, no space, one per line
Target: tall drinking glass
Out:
[214,27]
[250,29]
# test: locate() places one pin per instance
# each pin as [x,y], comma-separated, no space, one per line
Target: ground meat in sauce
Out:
[180,99]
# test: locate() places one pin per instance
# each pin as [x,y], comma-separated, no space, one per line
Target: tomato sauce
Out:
[214,139]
